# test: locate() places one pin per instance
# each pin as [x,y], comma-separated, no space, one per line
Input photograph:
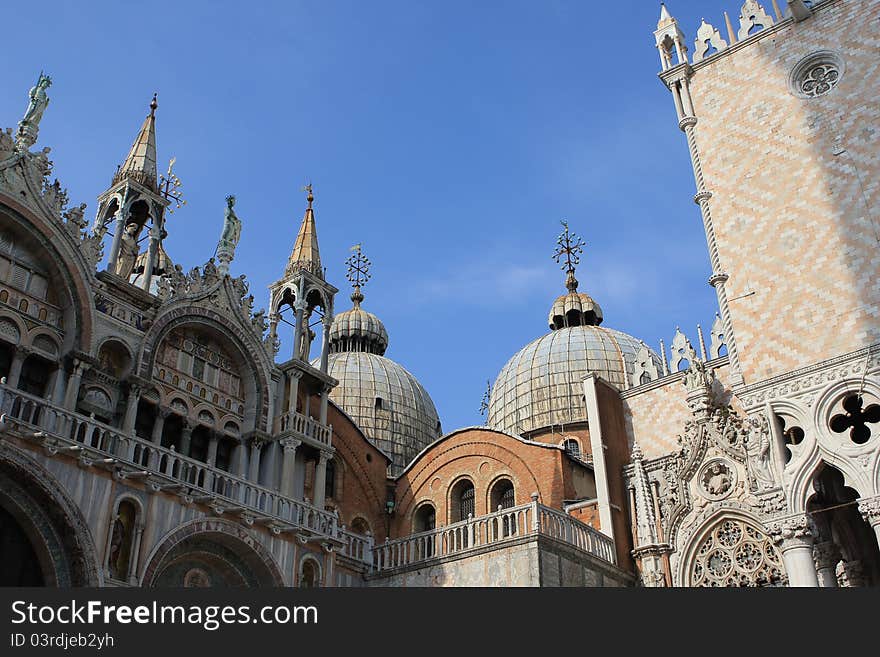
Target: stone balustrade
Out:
[501,526]
[306,427]
[356,546]
[63,431]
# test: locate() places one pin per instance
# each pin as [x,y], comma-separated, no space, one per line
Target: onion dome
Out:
[541,385]
[358,330]
[385,400]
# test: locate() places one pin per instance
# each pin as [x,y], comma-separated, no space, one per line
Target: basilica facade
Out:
[154,434]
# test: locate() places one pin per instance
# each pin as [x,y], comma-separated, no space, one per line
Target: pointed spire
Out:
[140,165]
[305,255]
[664,12]
[665,16]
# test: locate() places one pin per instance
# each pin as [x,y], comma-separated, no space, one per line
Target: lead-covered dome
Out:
[541,386]
[385,400]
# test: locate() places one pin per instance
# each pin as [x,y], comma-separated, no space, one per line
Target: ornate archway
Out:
[211,553]
[733,552]
[40,522]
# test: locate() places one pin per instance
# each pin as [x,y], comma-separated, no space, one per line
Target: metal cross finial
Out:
[358,272]
[484,402]
[310,197]
[169,187]
[569,246]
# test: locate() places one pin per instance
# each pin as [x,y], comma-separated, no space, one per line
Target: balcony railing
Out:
[73,433]
[495,528]
[297,423]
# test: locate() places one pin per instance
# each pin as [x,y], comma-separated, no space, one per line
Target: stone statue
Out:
[74,219]
[128,251]
[29,125]
[38,100]
[758,450]
[229,237]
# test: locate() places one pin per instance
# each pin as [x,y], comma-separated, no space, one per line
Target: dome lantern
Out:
[574,308]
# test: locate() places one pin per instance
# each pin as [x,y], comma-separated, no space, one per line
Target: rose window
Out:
[819,80]
[736,554]
[816,74]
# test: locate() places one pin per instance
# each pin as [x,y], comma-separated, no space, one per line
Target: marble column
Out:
[57,386]
[294,378]
[186,436]
[325,342]
[131,408]
[870,510]
[794,538]
[213,442]
[254,468]
[21,354]
[320,479]
[826,555]
[289,445]
[73,382]
[325,397]
[117,241]
[159,425]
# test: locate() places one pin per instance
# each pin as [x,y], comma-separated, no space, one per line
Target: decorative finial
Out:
[484,402]
[358,273]
[154,104]
[169,184]
[569,246]
[310,197]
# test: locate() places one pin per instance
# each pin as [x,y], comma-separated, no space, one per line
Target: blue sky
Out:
[450,138]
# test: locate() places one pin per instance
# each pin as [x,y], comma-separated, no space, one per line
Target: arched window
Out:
[735,554]
[360,526]
[501,496]
[572,446]
[425,518]
[310,574]
[35,375]
[462,501]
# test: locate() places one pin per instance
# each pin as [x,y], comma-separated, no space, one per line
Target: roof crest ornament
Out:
[358,273]
[569,246]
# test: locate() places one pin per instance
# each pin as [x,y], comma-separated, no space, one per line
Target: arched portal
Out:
[44,540]
[211,553]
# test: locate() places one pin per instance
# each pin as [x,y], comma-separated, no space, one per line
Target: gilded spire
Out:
[305,255]
[140,165]
[358,273]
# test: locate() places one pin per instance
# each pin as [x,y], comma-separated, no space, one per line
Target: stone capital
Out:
[791,532]
[826,554]
[290,444]
[23,350]
[719,277]
[870,510]
[687,122]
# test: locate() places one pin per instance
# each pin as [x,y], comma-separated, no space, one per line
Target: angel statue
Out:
[37,102]
[229,237]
